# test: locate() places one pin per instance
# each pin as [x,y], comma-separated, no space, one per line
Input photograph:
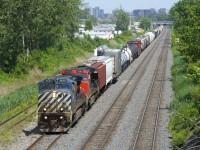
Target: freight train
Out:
[64,98]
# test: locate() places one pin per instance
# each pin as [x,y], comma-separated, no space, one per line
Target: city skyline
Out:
[109,6]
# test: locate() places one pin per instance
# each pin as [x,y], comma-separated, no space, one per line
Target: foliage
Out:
[185,106]
[163,17]
[160,16]
[121,19]
[88,25]
[28,25]
[94,20]
[16,100]
[145,23]
[121,39]
[185,15]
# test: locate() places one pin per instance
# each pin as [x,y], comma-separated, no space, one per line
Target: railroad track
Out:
[147,129]
[45,141]
[17,119]
[100,136]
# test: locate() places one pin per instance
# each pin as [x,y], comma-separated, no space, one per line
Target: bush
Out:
[186,103]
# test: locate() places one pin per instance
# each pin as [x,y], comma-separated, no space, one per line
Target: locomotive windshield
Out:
[54,85]
[62,84]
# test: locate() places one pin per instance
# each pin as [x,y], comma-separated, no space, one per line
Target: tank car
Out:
[134,50]
[128,54]
[138,43]
[143,40]
[124,61]
[151,36]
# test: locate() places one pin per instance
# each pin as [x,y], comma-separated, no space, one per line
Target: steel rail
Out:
[52,143]
[146,105]
[9,119]
[159,102]
[35,142]
[22,119]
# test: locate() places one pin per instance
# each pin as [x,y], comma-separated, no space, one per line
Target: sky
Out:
[129,5]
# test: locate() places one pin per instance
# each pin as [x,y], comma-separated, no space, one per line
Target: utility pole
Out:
[130,20]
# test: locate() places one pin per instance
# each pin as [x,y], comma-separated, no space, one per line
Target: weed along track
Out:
[18,118]
[102,133]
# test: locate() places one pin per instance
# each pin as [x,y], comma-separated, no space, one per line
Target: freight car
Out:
[138,43]
[64,98]
[119,57]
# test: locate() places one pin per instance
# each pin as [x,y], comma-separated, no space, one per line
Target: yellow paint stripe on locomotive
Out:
[42,105]
[59,106]
[67,104]
[65,100]
[51,109]
[62,100]
[69,108]
[42,98]
[58,102]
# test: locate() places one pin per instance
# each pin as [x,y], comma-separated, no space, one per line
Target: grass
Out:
[6,130]
[183,110]
[17,101]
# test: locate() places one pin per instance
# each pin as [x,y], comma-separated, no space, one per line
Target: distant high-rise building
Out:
[162,10]
[96,12]
[101,13]
[144,12]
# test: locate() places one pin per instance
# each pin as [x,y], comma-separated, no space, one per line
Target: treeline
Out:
[184,123]
[34,25]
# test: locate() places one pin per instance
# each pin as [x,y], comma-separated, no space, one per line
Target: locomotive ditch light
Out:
[45,109]
[61,109]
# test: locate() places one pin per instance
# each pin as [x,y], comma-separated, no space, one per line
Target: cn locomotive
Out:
[64,98]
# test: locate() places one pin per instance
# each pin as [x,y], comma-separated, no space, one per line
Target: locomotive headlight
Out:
[45,117]
[61,109]
[61,117]
[45,109]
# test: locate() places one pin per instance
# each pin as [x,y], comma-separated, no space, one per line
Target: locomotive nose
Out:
[54,102]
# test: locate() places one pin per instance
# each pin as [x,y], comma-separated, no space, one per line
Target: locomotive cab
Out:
[55,103]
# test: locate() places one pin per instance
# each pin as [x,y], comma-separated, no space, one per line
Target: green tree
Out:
[38,24]
[145,23]
[88,25]
[121,19]
[185,15]
[162,17]
[94,20]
